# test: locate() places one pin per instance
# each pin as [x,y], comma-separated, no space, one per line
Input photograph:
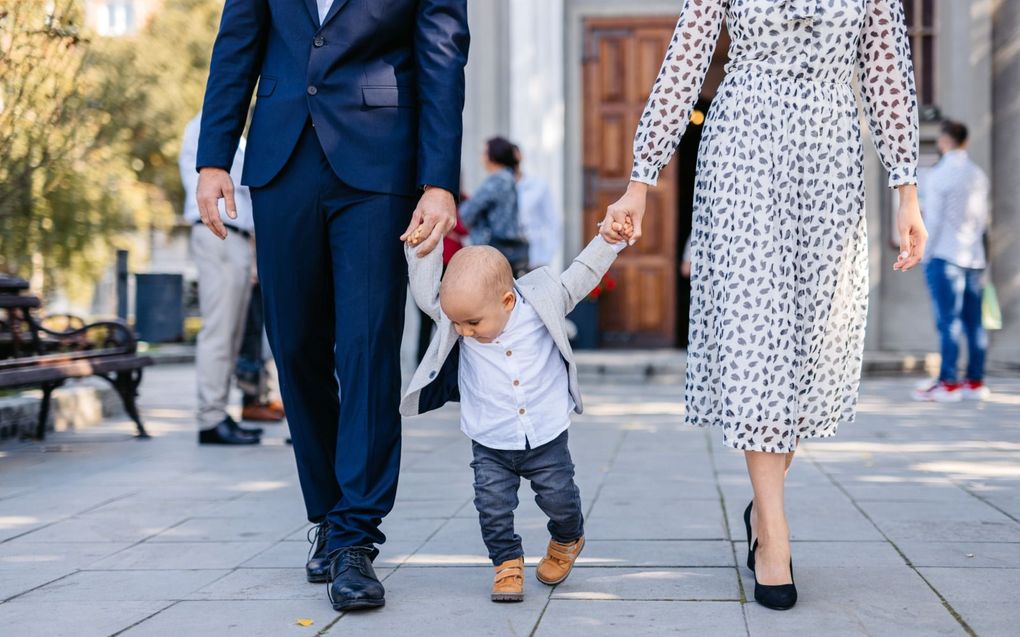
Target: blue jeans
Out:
[498,476]
[956,297]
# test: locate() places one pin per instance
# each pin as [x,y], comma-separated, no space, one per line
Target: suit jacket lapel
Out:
[313,11]
[333,10]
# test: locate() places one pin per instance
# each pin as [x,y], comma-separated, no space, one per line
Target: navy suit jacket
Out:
[382,80]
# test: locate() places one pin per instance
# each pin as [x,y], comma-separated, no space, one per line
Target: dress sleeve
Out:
[677,87]
[887,89]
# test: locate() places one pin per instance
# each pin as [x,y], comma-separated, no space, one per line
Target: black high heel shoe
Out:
[777,597]
[747,525]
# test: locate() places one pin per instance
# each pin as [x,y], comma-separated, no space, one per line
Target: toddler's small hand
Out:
[626,228]
[416,237]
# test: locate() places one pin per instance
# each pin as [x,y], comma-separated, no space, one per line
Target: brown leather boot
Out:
[558,561]
[508,585]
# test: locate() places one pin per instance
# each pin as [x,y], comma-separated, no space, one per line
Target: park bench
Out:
[44,353]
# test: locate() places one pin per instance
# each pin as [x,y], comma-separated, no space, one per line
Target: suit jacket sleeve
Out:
[424,274]
[233,71]
[441,48]
[586,271]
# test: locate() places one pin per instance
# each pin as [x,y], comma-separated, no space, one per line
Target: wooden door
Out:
[621,59]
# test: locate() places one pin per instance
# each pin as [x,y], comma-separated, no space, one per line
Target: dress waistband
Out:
[805,74]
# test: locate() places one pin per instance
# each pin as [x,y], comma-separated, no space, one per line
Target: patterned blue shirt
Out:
[491,213]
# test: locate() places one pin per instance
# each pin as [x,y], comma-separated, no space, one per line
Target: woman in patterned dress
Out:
[779,248]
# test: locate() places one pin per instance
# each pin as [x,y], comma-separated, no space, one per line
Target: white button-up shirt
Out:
[189,179]
[954,202]
[324,6]
[541,222]
[514,390]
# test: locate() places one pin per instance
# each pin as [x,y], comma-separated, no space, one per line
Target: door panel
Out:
[622,59]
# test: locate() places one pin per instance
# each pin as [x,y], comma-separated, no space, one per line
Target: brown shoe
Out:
[263,412]
[558,561]
[508,585]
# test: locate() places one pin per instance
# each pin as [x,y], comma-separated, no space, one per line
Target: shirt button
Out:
[516,382]
[312,90]
[521,411]
[509,353]
[318,41]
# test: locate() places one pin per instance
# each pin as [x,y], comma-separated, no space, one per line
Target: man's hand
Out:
[215,184]
[435,215]
[623,218]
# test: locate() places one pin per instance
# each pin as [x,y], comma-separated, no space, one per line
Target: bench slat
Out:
[24,376]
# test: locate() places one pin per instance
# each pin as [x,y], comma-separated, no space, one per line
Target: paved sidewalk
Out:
[906,524]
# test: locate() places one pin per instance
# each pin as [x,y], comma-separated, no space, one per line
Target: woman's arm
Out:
[669,106]
[887,89]
[890,103]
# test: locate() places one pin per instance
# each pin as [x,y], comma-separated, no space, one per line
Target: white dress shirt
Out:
[514,390]
[189,179]
[954,201]
[324,6]
[541,223]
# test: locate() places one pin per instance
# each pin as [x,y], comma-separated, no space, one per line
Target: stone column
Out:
[537,91]
[1005,235]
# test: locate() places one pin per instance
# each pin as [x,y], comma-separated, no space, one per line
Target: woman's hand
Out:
[623,218]
[913,235]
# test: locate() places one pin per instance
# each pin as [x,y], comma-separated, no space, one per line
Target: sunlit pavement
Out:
[908,523]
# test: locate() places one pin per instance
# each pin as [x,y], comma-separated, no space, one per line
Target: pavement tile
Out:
[705,584]
[182,555]
[603,618]
[59,618]
[986,598]
[130,586]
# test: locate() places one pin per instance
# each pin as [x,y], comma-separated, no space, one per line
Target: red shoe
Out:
[975,390]
[939,391]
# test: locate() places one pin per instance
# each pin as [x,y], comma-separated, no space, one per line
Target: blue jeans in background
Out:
[956,297]
[498,476]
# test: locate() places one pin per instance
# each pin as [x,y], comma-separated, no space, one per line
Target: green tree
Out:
[89,134]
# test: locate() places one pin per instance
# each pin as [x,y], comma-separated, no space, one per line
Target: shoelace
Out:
[349,557]
[313,535]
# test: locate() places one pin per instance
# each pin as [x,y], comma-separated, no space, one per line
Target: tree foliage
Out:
[89,133]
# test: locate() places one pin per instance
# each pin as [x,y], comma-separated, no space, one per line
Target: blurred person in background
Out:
[543,227]
[955,205]
[256,371]
[224,291]
[492,214]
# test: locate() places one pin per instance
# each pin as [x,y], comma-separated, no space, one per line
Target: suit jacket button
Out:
[318,41]
[312,90]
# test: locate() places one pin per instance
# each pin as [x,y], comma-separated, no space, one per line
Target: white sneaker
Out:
[939,391]
[975,390]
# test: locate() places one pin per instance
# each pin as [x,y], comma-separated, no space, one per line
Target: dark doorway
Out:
[686,162]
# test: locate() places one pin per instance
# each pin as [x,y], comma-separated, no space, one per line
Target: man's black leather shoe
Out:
[225,434]
[255,431]
[317,568]
[355,585]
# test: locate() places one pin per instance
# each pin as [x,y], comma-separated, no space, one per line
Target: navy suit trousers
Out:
[334,283]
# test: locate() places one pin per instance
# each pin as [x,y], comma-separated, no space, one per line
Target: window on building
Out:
[921,30]
[115,17]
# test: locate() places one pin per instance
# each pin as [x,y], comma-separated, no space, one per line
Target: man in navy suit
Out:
[354,143]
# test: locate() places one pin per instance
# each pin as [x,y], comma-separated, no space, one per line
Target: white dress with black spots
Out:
[779,250]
